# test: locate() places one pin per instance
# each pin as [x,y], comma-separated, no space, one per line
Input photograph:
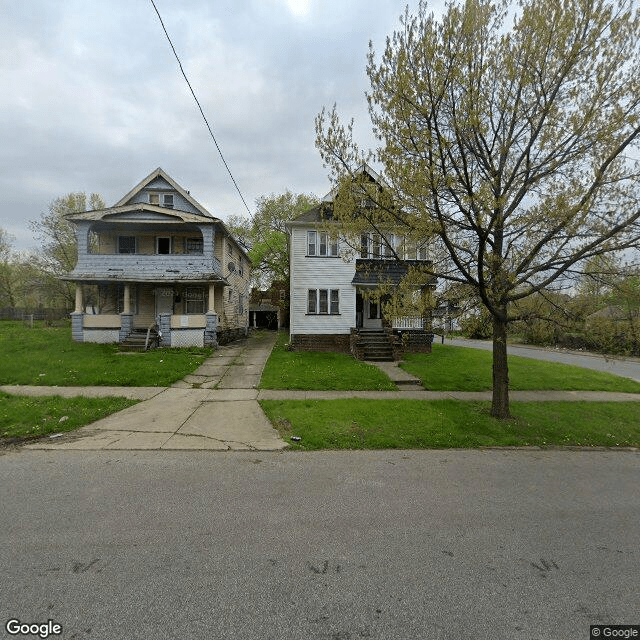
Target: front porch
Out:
[180,315]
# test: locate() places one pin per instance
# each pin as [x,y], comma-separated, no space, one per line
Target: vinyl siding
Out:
[319,273]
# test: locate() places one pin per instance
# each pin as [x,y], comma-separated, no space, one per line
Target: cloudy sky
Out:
[93,99]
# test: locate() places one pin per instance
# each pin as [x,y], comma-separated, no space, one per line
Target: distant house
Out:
[269,309]
[331,306]
[163,267]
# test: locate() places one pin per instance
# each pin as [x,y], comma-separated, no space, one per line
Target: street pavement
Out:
[377,545]
[617,365]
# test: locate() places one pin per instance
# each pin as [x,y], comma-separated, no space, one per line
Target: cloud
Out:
[97,100]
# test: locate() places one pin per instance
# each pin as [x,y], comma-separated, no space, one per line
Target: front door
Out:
[372,316]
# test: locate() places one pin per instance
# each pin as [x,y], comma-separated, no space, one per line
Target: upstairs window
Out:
[166,198]
[194,246]
[311,243]
[126,244]
[321,244]
[163,246]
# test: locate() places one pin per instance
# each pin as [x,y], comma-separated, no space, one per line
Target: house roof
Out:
[156,214]
[160,173]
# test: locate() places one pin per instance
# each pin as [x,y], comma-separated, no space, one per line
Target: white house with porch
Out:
[331,306]
[162,268]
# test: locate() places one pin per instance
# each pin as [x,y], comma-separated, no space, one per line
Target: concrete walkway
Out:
[216,407]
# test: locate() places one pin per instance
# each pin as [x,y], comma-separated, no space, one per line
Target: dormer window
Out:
[167,199]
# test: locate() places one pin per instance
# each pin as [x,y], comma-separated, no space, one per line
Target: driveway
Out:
[376,545]
[626,367]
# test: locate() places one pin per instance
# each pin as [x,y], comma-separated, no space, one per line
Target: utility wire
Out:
[184,75]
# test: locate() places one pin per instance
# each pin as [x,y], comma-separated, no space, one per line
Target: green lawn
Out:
[47,356]
[24,417]
[450,368]
[417,424]
[314,370]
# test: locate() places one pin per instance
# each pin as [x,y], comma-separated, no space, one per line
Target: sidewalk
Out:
[216,407]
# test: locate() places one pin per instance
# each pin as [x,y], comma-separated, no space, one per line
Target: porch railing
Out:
[408,322]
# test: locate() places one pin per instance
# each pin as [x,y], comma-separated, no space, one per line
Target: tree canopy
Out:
[265,237]
[59,249]
[508,134]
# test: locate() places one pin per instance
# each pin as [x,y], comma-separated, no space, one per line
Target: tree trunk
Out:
[500,400]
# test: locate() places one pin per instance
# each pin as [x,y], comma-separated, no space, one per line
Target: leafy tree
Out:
[59,250]
[265,236]
[9,270]
[504,133]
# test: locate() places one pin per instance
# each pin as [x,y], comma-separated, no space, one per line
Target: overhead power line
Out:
[184,75]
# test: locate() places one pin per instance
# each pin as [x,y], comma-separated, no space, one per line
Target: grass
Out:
[48,356]
[450,368]
[416,424]
[314,370]
[23,418]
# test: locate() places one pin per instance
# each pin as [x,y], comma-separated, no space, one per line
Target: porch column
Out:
[79,298]
[212,292]
[127,301]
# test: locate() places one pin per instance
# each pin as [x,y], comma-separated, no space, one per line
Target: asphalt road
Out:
[626,367]
[459,545]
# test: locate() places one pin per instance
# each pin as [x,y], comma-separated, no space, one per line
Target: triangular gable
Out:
[364,169]
[158,179]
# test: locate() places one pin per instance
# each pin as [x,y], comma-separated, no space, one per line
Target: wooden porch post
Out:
[127,300]
[79,298]
[212,293]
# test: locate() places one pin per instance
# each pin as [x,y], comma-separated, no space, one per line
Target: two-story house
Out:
[341,287]
[163,266]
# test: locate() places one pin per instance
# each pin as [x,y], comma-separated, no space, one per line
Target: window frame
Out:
[194,295]
[135,245]
[323,302]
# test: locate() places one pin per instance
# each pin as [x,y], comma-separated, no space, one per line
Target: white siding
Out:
[319,273]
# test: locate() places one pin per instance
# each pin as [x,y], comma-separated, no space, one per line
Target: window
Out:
[321,244]
[194,300]
[163,246]
[335,307]
[323,301]
[194,246]
[241,304]
[154,198]
[167,200]
[230,249]
[323,306]
[126,244]
[421,251]
[311,243]
[364,245]
[312,301]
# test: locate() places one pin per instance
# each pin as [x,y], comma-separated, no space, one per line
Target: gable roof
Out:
[154,175]
[324,211]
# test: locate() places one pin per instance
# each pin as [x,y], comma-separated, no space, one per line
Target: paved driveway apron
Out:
[215,408]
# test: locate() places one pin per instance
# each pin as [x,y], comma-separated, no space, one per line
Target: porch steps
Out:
[137,339]
[375,345]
